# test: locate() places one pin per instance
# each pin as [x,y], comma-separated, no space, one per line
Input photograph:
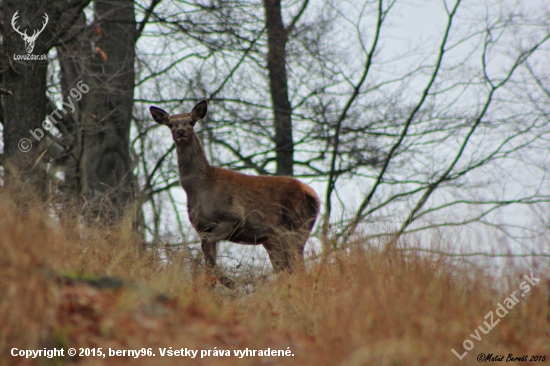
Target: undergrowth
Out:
[65,285]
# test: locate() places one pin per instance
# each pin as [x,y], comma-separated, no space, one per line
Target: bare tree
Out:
[29,28]
[402,136]
[406,141]
[278,82]
[87,153]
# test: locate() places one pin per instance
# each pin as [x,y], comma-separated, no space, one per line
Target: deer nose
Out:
[181,133]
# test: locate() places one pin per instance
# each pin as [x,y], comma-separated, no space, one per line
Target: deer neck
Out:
[192,165]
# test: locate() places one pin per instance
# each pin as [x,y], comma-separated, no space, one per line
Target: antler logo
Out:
[29,41]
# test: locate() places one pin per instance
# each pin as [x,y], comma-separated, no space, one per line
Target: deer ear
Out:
[159,115]
[199,111]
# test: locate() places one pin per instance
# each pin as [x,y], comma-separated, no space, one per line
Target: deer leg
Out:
[297,246]
[286,253]
[278,255]
[209,250]
[294,249]
[209,247]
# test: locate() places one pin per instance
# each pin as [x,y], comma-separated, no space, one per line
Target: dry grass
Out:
[357,307]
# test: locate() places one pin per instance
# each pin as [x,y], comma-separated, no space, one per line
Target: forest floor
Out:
[64,287]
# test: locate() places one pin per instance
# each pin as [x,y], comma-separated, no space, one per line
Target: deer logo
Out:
[29,40]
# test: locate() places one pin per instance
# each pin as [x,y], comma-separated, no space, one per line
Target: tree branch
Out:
[432,187]
[292,24]
[367,200]
[146,17]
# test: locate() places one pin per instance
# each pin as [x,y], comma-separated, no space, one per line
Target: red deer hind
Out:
[277,212]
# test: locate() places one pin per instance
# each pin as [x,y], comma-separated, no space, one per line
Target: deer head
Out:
[29,41]
[181,125]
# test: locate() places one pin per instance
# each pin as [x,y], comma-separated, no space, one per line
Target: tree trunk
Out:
[25,110]
[276,64]
[105,165]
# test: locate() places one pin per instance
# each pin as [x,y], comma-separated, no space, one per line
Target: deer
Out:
[29,40]
[277,212]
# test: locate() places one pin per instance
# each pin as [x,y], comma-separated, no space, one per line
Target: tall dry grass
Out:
[355,307]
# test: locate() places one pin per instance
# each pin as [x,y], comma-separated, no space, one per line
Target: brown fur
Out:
[277,212]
